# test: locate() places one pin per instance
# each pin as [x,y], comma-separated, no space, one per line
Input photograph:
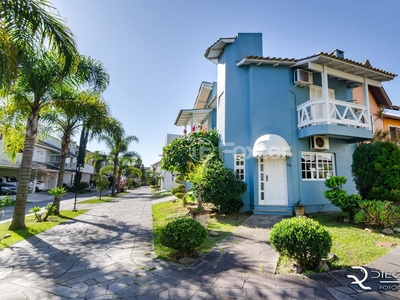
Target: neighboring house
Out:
[46,163]
[168,179]
[286,124]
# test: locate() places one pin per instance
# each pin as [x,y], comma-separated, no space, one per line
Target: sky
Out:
[154,49]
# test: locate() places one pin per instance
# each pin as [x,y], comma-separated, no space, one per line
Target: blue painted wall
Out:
[262,100]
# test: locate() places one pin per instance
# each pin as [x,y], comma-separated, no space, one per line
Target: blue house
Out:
[286,124]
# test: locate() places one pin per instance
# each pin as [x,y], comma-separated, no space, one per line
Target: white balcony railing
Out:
[332,111]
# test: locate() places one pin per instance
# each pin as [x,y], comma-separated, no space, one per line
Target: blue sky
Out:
[154,49]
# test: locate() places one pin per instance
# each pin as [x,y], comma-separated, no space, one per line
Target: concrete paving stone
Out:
[346,289]
[265,268]
[196,286]
[96,291]
[290,281]
[144,277]
[126,280]
[206,268]
[35,294]
[157,286]
[164,271]
[211,256]
[303,294]
[182,275]
[392,258]
[164,295]
[199,295]
[231,293]
[64,291]
[380,265]
[341,276]
[230,279]
[178,293]
[338,295]
[19,295]
[322,294]
[204,279]
[275,294]
[260,282]
[317,280]
[147,297]
[73,275]
[197,263]
[89,282]
[116,287]
[369,296]
[214,295]
[5,272]
[391,294]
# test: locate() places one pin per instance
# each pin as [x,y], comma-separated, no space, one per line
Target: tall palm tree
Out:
[98,158]
[67,117]
[124,168]
[26,26]
[118,143]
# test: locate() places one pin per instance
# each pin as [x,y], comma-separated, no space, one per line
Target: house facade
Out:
[46,163]
[286,125]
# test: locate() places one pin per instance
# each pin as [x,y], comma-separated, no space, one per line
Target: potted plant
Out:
[299,209]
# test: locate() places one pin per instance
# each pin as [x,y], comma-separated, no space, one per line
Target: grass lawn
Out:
[223,224]
[33,227]
[104,199]
[351,243]
[157,195]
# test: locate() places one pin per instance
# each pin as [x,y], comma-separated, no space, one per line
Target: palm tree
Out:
[68,116]
[26,26]
[117,143]
[124,168]
[98,158]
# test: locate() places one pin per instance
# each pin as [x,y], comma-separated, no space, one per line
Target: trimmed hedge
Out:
[302,239]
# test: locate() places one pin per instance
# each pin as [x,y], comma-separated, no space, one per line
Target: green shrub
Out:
[302,239]
[179,195]
[378,213]
[375,169]
[183,235]
[82,186]
[339,197]
[220,186]
[178,189]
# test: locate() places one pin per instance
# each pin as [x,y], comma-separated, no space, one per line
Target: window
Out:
[394,133]
[316,166]
[239,165]
[316,92]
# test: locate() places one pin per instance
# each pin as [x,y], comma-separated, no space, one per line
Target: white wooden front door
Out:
[272,178]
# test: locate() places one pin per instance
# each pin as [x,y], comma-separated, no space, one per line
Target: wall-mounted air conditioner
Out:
[302,78]
[318,142]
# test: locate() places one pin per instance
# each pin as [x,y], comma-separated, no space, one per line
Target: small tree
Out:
[101,182]
[57,193]
[189,150]
[340,198]
[214,183]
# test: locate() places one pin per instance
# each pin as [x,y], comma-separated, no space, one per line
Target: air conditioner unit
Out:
[302,78]
[318,142]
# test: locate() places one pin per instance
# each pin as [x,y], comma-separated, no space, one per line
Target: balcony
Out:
[335,118]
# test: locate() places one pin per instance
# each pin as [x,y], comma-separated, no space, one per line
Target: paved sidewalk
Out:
[107,253]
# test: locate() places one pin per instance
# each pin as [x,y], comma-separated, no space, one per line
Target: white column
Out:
[325,93]
[366,102]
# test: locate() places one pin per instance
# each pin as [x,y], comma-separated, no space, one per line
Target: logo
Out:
[384,275]
[360,282]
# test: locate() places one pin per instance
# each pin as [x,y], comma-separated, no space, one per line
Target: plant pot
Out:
[299,211]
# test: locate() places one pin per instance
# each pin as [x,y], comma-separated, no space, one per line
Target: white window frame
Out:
[397,131]
[239,165]
[317,166]
[316,90]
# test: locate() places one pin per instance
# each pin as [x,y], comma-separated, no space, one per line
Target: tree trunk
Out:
[200,202]
[115,175]
[18,220]
[65,143]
